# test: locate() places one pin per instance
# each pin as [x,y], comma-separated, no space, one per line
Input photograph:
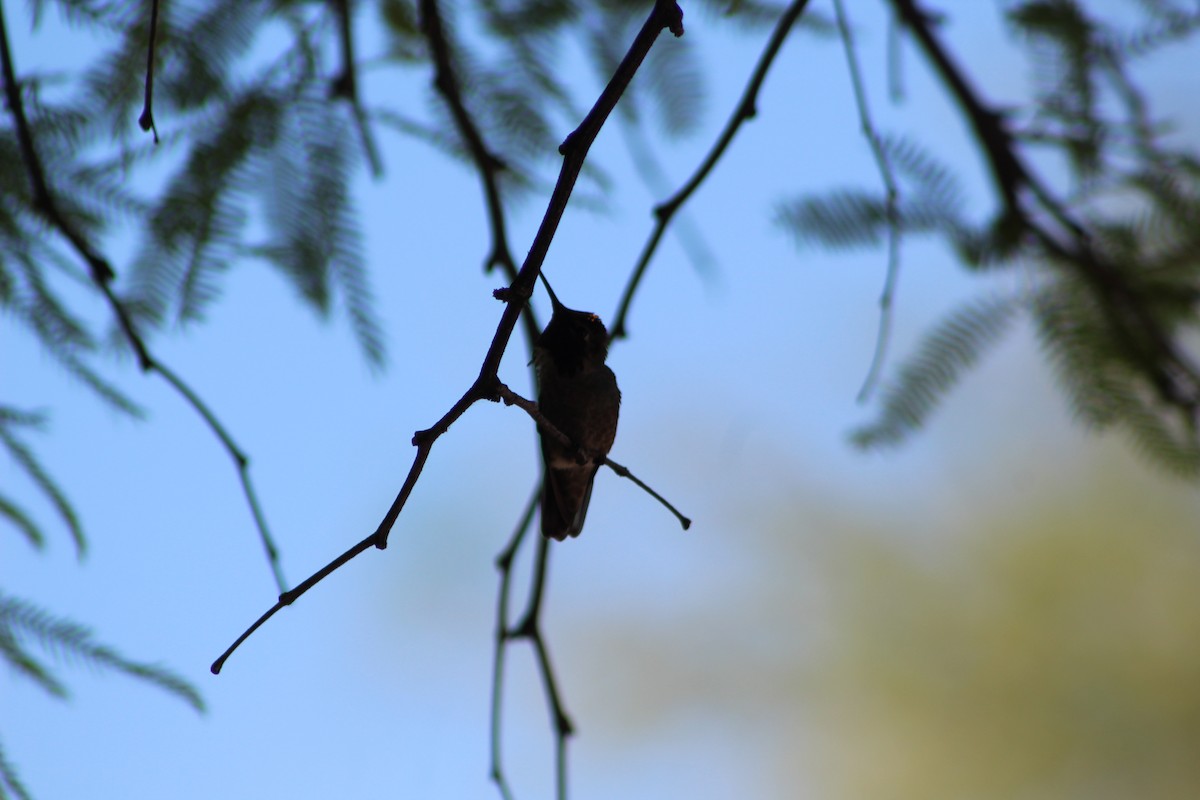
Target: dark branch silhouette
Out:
[102,276]
[746,109]
[530,628]
[574,150]
[146,120]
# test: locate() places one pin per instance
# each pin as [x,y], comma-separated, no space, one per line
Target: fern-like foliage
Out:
[10,782]
[1114,256]
[1101,380]
[1062,42]
[11,421]
[947,351]
[930,202]
[23,624]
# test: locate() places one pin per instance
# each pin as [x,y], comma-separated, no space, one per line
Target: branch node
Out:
[488,387]
[146,120]
[674,21]
[510,294]
[496,162]
[567,144]
[146,123]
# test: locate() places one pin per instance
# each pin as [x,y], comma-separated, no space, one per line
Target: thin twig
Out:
[574,150]
[625,473]
[146,120]
[530,628]
[746,109]
[504,564]
[345,86]
[891,210]
[241,462]
[547,427]
[102,275]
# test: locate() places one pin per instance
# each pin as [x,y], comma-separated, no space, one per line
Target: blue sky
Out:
[738,390]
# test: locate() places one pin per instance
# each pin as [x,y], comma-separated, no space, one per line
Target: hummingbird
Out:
[578,394]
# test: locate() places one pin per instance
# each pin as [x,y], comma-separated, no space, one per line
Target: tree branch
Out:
[146,120]
[892,196]
[102,276]
[43,201]
[504,563]
[1152,350]
[746,109]
[574,150]
[345,86]
[530,628]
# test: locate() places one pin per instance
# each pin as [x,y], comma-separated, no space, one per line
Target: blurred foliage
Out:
[1035,637]
[264,129]
[23,624]
[1050,652]
[263,133]
[1112,256]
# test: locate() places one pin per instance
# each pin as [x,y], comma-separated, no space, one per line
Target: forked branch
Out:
[746,109]
[574,150]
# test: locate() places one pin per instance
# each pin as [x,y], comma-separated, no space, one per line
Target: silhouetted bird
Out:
[578,394]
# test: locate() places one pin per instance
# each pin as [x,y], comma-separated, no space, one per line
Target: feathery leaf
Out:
[66,640]
[944,355]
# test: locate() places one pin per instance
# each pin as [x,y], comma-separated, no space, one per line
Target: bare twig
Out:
[504,563]
[574,150]
[529,407]
[146,120]
[102,275]
[345,86]
[625,473]
[891,211]
[746,109]
[530,628]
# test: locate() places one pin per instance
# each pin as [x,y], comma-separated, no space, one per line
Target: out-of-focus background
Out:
[1004,607]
